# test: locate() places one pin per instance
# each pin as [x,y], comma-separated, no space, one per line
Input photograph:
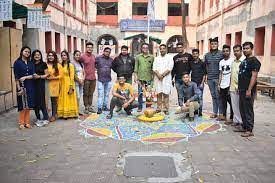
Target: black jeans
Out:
[54,106]
[224,98]
[246,110]
[119,102]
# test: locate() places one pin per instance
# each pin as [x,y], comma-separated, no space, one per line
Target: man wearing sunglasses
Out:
[103,66]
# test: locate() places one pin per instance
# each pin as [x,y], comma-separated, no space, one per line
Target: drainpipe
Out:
[222,26]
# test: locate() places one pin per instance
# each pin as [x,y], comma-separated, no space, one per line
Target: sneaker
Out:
[213,116]
[86,111]
[105,108]
[91,110]
[129,113]
[139,110]
[39,123]
[99,111]
[45,122]
[166,112]
[191,118]
[200,114]
[247,134]
[109,116]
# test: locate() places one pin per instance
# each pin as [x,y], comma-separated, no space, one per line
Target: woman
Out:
[79,76]
[24,74]
[54,69]
[67,101]
[41,69]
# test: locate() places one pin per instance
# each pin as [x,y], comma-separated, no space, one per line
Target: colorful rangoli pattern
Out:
[170,130]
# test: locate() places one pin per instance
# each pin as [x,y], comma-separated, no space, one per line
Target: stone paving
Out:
[60,154]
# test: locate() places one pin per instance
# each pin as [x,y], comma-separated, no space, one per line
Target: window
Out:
[174,9]
[259,41]
[82,45]
[238,37]
[273,41]
[107,8]
[69,43]
[203,6]
[139,8]
[74,5]
[211,3]
[75,43]
[57,42]
[228,39]
[199,7]
[202,47]
[48,41]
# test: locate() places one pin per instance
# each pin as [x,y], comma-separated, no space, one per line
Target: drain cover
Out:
[150,166]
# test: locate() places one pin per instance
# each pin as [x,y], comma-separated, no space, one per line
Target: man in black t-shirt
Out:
[247,81]
[181,65]
[198,74]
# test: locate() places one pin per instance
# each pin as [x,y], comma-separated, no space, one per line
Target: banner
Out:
[45,21]
[151,10]
[35,15]
[5,10]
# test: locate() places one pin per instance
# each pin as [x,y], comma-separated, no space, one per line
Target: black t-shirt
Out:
[40,68]
[181,64]
[246,67]
[198,70]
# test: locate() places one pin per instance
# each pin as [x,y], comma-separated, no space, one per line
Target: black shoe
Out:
[109,116]
[191,118]
[200,114]
[99,111]
[105,109]
[129,113]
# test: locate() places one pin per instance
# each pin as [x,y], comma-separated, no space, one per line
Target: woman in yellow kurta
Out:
[67,100]
[55,73]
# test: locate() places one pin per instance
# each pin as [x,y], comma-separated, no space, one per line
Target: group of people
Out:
[230,81]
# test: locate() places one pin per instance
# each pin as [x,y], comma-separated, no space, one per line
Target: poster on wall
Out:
[35,16]
[113,49]
[45,21]
[5,10]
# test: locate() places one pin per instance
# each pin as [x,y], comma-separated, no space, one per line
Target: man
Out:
[212,60]
[224,84]
[234,94]
[181,65]
[88,60]
[103,66]
[198,70]
[124,64]
[143,72]
[189,94]
[162,68]
[247,82]
[123,97]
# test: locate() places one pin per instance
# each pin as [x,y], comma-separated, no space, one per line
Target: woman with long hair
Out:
[24,74]
[41,69]
[67,101]
[79,76]
[55,74]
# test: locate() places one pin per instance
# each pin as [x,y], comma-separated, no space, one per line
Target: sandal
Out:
[28,126]
[21,127]
[109,116]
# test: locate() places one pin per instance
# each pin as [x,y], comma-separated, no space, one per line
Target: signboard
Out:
[45,21]
[113,49]
[141,25]
[5,10]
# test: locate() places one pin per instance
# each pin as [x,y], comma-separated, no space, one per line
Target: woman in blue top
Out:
[24,73]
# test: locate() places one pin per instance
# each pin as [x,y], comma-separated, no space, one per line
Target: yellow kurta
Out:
[67,104]
[54,84]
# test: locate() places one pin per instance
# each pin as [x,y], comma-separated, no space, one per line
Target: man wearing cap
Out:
[212,60]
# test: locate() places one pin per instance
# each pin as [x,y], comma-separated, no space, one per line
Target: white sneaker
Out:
[39,123]
[45,122]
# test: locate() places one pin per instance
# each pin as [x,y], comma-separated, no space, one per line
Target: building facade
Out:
[237,21]
[110,18]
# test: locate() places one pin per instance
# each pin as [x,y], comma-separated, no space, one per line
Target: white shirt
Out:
[225,67]
[162,64]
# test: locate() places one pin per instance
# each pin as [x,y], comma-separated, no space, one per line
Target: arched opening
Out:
[136,46]
[172,43]
[107,40]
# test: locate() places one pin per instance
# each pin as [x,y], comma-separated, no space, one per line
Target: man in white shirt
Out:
[162,68]
[224,82]
[234,94]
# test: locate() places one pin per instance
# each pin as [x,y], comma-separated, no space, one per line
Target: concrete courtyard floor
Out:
[59,154]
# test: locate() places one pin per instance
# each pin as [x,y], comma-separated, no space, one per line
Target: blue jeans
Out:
[179,83]
[213,87]
[140,93]
[201,97]
[103,94]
